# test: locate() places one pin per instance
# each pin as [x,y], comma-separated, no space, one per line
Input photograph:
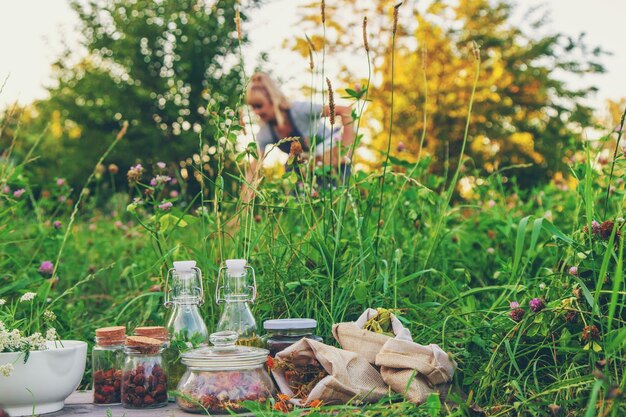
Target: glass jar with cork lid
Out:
[107,359]
[144,380]
[160,333]
[155,332]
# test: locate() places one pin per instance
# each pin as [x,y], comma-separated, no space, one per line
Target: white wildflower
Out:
[49,315]
[2,301]
[28,296]
[35,342]
[6,369]
[14,340]
[51,334]
[3,339]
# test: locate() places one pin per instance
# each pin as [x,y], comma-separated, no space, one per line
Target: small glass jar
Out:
[160,333]
[144,380]
[282,333]
[220,378]
[107,358]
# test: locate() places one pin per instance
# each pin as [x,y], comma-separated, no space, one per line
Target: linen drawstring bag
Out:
[351,378]
[354,338]
[415,370]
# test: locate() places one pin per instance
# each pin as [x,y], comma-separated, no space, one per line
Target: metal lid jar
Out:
[282,333]
[220,378]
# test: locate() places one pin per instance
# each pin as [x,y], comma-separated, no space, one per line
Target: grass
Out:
[482,257]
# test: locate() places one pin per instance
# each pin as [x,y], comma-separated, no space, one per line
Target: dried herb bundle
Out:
[300,378]
[381,322]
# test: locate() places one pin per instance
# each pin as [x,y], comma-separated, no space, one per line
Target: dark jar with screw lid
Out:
[282,333]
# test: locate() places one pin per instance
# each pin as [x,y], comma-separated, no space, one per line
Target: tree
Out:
[158,64]
[523,113]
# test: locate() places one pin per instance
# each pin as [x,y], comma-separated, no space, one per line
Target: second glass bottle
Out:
[236,289]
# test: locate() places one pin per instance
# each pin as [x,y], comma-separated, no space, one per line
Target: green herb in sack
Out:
[381,322]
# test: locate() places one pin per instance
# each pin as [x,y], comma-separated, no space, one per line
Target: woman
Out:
[280,119]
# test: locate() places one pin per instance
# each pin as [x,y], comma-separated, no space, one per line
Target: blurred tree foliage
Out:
[523,112]
[615,109]
[158,64]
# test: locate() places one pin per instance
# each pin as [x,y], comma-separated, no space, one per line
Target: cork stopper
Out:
[111,336]
[155,332]
[142,344]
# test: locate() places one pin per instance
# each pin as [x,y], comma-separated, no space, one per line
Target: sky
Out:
[33,31]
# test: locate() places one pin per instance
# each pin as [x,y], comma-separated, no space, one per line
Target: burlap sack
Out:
[352,337]
[427,368]
[350,376]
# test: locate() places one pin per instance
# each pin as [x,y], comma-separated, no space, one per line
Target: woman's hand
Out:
[252,178]
[332,156]
[344,112]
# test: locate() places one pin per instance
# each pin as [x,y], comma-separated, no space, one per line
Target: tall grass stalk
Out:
[410,174]
[323,77]
[618,279]
[452,186]
[589,206]
[312,121]
[331,114]
[249,207]
[608,186]
[382,181]
[218,195]
[347,176]
[328,218]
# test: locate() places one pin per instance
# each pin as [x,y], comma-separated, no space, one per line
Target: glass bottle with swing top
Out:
[184,294]
[236,290]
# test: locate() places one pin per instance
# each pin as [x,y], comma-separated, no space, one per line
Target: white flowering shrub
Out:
[14,341]
[26,325]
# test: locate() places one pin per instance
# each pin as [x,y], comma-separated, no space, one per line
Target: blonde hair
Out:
[261,83]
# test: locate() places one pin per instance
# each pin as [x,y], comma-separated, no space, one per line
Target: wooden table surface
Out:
[80,403]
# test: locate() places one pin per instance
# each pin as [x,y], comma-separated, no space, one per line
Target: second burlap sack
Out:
[415,370]
[350,377]
[353,337]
